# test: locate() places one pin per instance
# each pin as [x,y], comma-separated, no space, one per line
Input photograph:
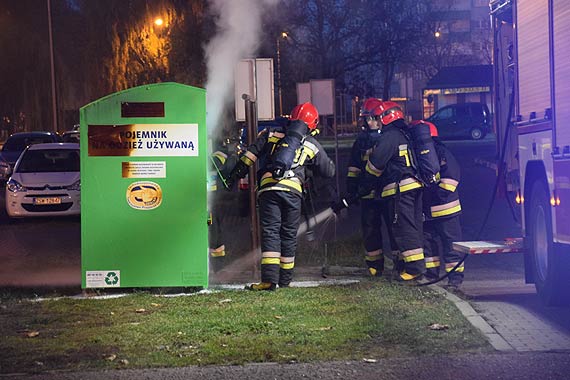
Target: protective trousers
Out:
[439,235]
[216,245]
[405,211]
[372,215]
[279,214]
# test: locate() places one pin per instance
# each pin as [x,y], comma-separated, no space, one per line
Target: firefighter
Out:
[372,210]
[221,163]
[284,154]
[441,208]
[389,169]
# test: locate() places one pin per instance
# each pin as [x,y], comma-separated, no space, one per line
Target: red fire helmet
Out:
[390,112]
[370,107]
[306,112]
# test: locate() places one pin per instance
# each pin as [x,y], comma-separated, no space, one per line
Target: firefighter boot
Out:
[405,278]
[262,286]
[455,280]
[398,267]
[285,277]
[376,266]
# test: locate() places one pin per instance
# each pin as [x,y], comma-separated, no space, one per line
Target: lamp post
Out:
[52,69]
[283,35]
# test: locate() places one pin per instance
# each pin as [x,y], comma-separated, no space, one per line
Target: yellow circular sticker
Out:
[144,195]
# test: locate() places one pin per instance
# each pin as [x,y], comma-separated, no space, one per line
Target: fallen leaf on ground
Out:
[110,358]
[225,300]
[278,317]
[124,361]
[326,328]
[140,310]
[366,360]
[155,304]
[32,334]
[437,326]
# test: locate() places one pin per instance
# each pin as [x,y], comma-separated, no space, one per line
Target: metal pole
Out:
[279,76]
[52,69]
[335,143]
[251,120]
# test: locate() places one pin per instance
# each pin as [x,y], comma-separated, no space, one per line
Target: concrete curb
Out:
[494,338]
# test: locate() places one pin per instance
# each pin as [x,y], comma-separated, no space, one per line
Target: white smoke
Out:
[239,26]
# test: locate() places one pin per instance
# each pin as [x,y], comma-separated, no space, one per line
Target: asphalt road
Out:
[530,366]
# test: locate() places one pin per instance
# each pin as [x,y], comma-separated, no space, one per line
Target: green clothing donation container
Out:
[143,188]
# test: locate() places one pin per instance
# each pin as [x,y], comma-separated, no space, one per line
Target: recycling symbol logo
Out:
[111,278]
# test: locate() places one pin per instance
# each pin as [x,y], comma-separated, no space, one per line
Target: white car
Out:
[45,181]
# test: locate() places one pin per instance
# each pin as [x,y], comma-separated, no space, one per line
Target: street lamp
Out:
[52,69]
[158,21]
[284,36]
[437,34]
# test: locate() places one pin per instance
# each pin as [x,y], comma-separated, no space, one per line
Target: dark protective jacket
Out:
[359,154]
[442,200]
[309,154]
[390,162]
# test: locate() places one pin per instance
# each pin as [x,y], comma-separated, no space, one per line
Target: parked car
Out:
[15,145]
[465,120]
[45,181]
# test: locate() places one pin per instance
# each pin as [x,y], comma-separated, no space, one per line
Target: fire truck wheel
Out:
[549,268]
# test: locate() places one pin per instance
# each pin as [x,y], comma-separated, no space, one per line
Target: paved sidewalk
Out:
[496,290]
[512,309]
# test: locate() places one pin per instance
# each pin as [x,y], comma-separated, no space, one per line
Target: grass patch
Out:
[372,319]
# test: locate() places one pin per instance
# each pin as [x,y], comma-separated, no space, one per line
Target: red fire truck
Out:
[532,119]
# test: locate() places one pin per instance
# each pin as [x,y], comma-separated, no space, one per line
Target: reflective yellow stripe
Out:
[447,186]
[220,156]
[369,196]
[310,149]
[446,212]
[285,182]
[287,265]
[405,185]
[450,266]
[270,260]
[373,170]
[274,188]
[246,160]
[419,256]
[218,252]
[352,174]
[274,139]
[404,153]
[410,186]
[432,264]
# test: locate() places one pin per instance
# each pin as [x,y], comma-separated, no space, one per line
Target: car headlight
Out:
[15,187]
[75,187]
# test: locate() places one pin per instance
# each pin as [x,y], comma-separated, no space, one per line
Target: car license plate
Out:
[47,201]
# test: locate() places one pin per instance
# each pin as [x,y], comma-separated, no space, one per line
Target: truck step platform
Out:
[481,247]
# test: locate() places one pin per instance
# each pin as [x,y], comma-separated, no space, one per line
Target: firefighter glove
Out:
[345,202]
